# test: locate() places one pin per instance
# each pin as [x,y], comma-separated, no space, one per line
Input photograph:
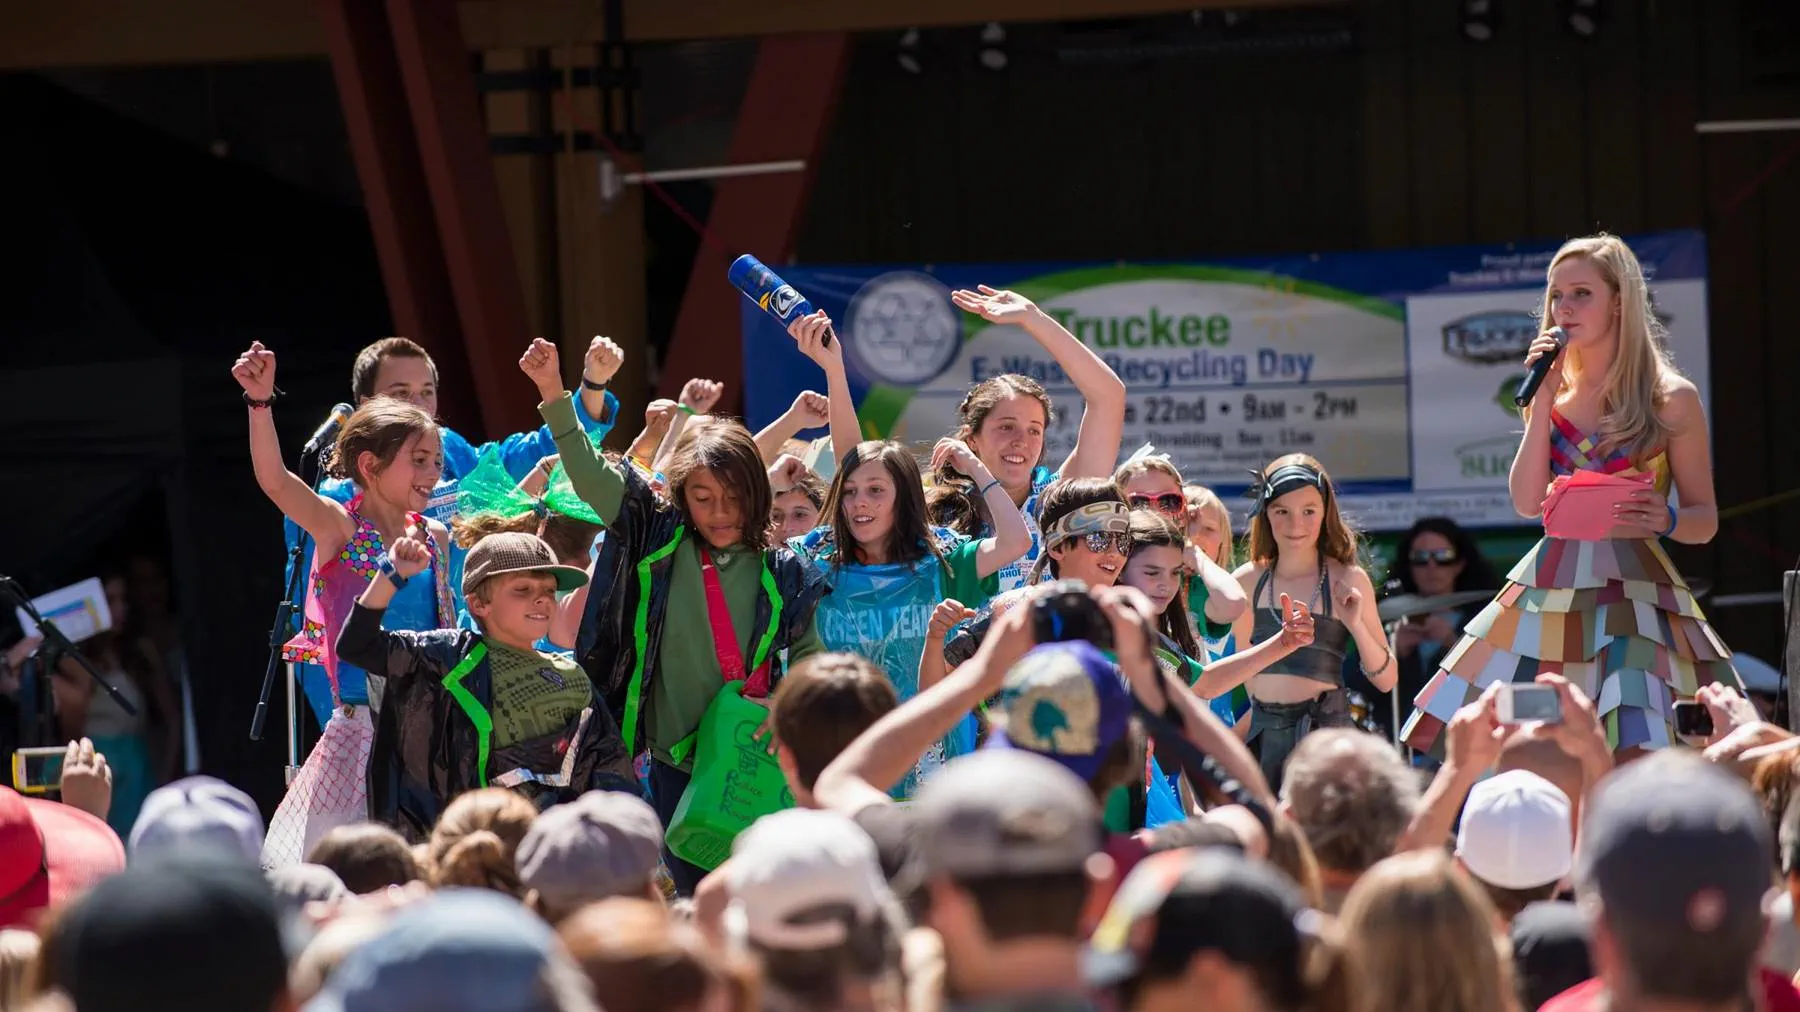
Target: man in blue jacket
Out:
[400,368]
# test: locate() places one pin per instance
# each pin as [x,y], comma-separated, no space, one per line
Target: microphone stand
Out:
[55,643]
[279,632]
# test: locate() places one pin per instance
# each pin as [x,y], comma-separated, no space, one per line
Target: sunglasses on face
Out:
[1433,557]
[1168,504]
[1102,542]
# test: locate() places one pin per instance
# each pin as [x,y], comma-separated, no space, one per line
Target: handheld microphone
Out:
[326,433]
[765,288]
[1534,378]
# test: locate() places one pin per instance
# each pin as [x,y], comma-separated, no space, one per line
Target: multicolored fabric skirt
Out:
[1613,617]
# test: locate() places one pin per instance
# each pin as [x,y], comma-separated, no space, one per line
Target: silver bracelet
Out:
[1385,664]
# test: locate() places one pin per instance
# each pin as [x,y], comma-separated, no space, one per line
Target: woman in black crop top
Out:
[1301,546]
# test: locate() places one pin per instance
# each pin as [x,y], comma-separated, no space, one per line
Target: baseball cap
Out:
[999,813]
[1515,831]
[202,812]
[516,552]
[296,885]
[1064,701]
[1246,910]
[604,843]
[460,949]
[1674,844]
[192,933]
[49,853]
[798,860]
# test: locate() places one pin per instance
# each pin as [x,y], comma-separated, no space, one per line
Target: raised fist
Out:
[699,395]
[255,372]
[410,557]
[542,363]
[603,361]
[811,409]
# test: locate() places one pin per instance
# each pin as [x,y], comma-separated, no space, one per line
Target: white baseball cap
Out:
[1516,832]
[800,860]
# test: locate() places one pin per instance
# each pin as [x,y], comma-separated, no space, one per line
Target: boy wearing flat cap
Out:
[463,710]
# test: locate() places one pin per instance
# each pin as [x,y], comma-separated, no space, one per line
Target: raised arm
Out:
[814,336]
[362,641]
[944,617]
[809,411]
[697,398]
[1133,633]
[1356,608]
[1103,393]
[597,482]
[1472,742]
[658,416]
[604,357]
[1529,479]
[1011,538]
[1227,673]
[320,517]
[1225,600]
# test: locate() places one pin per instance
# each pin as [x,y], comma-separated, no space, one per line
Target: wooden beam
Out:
[514,22]
[465,196]
[786,113]
[407,243]
[36,34]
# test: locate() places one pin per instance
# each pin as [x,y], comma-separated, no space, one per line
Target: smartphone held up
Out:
[1528,702]
[38,771]
[1692,719]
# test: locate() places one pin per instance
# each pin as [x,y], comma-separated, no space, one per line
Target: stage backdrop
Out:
[1396,369]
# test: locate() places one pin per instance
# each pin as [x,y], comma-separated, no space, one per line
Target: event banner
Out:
[1395,369]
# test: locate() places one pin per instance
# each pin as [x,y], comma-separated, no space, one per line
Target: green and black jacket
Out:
[434,729]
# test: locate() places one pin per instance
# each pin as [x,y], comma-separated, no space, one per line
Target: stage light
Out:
[1480,19]
[909,52]
[993,47]
[1584,17]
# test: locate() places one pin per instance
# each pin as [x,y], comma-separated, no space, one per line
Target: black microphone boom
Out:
[1534,378]
[326,433]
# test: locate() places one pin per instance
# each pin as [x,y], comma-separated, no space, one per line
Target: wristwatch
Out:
[393,575]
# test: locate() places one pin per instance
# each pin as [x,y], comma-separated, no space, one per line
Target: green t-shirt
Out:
[534,694]
[688,672]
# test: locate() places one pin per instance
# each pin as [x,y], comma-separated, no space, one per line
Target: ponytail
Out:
[479,860]
[475,839]
[952,502]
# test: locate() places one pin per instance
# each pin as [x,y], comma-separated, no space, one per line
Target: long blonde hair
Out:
[1201,499]
[1636,384]
[1420,937]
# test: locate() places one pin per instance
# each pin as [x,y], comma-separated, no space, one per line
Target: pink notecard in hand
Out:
[1580,506]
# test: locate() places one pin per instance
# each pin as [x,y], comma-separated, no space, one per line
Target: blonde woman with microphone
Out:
[1611,615]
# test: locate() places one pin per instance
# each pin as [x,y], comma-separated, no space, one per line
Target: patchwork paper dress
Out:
[1612,616]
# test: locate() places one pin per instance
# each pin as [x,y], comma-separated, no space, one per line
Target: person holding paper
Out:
[1613,438]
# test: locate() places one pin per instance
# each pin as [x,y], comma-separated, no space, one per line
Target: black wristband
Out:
[274,392]
[588,384]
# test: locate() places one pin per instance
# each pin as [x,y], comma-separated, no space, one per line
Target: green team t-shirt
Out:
[534,694]
[688,673]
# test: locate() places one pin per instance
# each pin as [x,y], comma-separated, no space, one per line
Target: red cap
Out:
[49,853]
